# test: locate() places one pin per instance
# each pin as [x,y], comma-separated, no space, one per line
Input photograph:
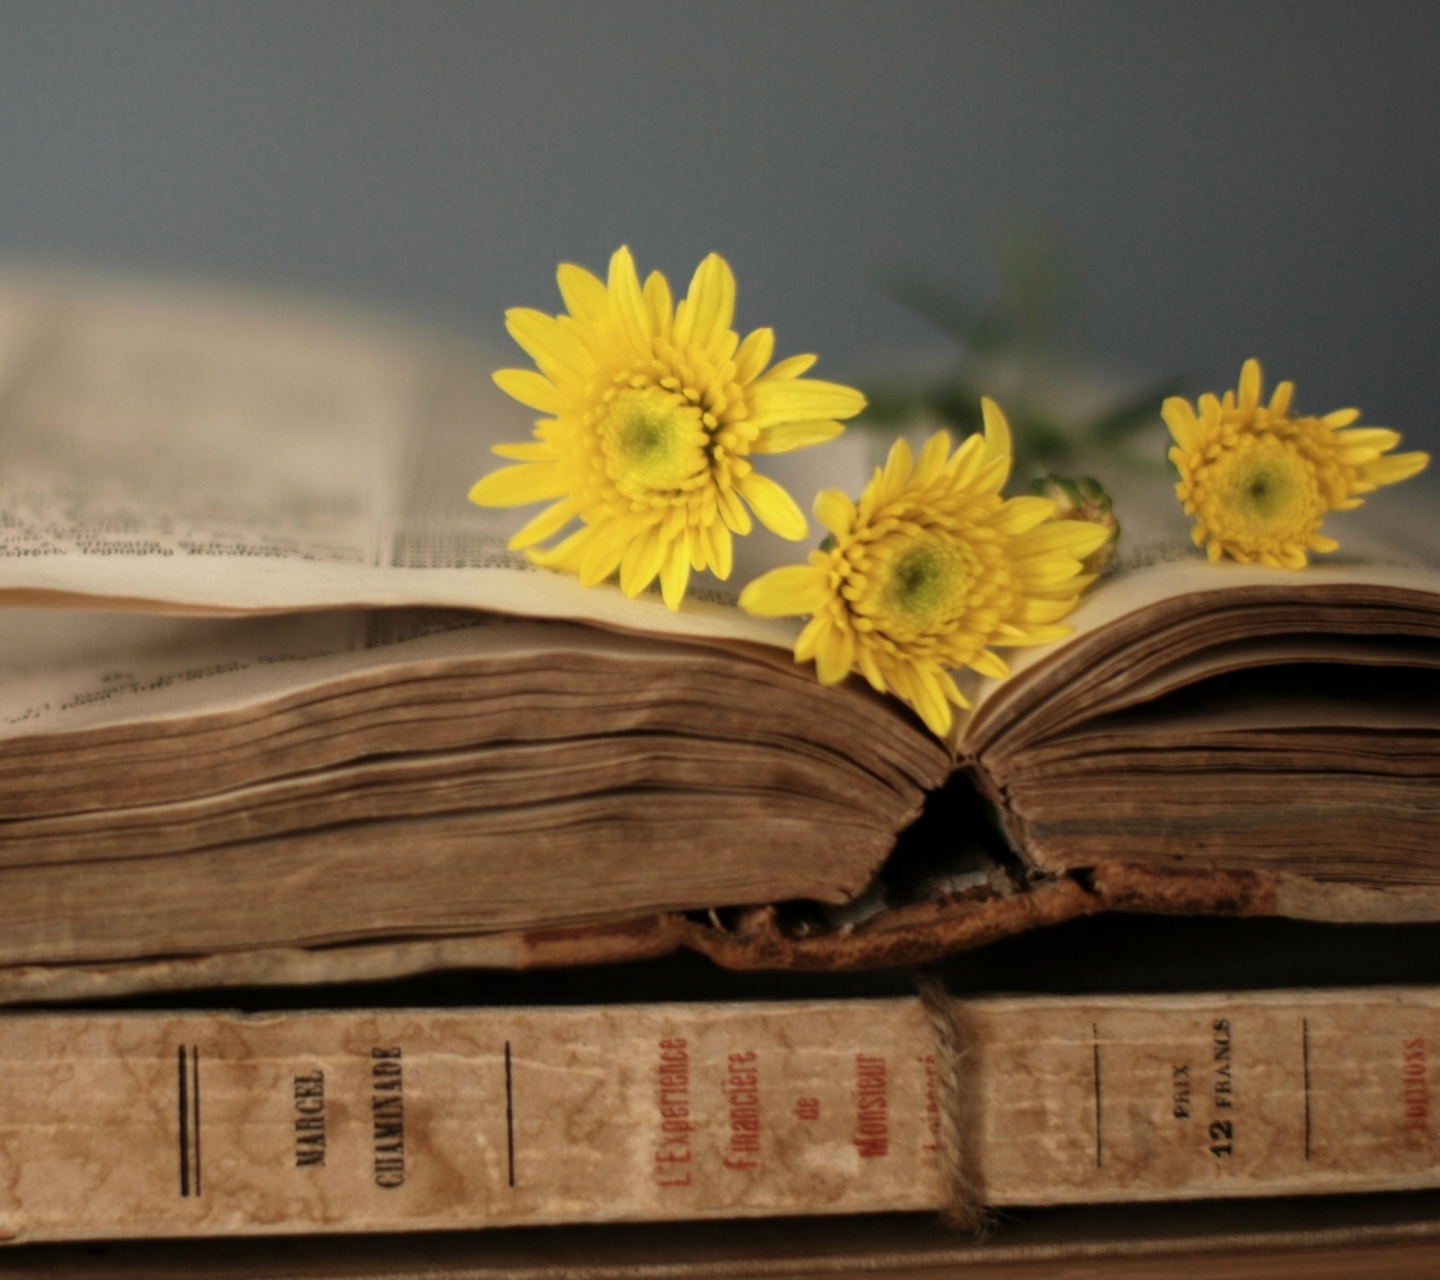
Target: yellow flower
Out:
[930,568]
[657,411]
[1259,480]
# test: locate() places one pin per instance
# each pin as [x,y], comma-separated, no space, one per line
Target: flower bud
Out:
[1083,499]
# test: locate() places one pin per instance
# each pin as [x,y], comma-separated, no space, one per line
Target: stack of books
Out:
[280,714]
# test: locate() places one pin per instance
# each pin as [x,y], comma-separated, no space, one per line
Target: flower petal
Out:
[754,354]
[1036,634]
[1044,571]
[899,462]
[804,399]
[1393,468]
[966,460]
[1250,383]
[1077,538]
[932,458]
[1036,610]
[791,367]
[933,707]
[627,302]
[516,486]
[789,436]
[559,354]
[1184,425]
[525,451]
[1375,439]
[709,305]
[642,561]
[732,510]
[675,572]
[1069,589]
[835,511]
[565,554]
[585,295]
[951,690]
[720,350]
[870,669]
[834,654]
[719,549]
[662,307]
[533,389]
[773,507]
[1019,516]
[784,592]
[551,520]
[989,664]
[997,436]
[606,550]
[809,637]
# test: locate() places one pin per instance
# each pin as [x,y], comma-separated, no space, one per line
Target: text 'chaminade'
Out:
[387,1112]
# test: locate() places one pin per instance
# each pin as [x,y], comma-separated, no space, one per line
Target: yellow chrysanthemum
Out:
[657,410]
[1259,480]
[930,568]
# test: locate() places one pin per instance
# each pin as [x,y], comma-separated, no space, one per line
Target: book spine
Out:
[149,1124]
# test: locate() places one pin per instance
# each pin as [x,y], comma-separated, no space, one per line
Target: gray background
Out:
[1232,179]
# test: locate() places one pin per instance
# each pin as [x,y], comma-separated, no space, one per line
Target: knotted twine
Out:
[957,1101]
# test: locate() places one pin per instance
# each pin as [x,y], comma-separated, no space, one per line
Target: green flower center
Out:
[1268,491]
[653,441]
[929,584]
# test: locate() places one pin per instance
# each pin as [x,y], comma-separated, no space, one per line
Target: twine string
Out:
[957,1101]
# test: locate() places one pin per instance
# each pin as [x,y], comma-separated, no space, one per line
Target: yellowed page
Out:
[148,1124]
[79,671]
[69,671]
[169,448]
[1392,543]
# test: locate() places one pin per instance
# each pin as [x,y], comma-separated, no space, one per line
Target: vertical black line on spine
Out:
[1305,1053]
[509,1114]
[184,1124]
[195,1093]
[1099,1146]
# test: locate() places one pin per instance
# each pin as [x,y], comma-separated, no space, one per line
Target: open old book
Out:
[276,703]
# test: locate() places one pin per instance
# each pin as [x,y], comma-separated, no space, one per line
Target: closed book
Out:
[161,1123]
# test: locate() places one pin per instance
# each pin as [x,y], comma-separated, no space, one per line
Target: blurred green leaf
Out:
[956,317]
[1035,281]
[1019,347]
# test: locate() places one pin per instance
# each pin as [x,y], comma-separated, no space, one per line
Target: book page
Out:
[1391,543]
[141,425]
[173,449]
[170,449]
[270,695]
[67,671]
